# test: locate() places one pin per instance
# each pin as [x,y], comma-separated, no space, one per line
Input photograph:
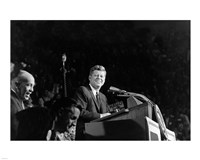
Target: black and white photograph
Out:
[104,85]
[116,72]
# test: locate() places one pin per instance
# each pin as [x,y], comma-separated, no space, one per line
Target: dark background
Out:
[147,57]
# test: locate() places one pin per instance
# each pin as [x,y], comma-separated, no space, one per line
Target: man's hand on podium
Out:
[104,114]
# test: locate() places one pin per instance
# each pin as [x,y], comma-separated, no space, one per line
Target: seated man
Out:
[93,103]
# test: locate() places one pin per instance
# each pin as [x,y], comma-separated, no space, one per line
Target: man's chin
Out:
[98,85]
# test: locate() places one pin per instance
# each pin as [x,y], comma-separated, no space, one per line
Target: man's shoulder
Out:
[13,96]
[84,88]
[83,91]
[16,105]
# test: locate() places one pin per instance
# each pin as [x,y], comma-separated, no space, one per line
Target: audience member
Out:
[46,100]
[66,113]
[178,121]
[14,71]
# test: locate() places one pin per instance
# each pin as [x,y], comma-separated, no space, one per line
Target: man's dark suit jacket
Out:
[16,106]
[90,108]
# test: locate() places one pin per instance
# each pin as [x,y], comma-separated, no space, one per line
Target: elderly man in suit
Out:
[93,102]
[21,89]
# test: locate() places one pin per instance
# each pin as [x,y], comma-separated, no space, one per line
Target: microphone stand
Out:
[64,58]
[157,111]
[140,96]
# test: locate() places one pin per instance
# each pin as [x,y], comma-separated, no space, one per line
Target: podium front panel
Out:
[114,130]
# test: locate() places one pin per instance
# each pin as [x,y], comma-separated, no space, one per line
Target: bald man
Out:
[20,91]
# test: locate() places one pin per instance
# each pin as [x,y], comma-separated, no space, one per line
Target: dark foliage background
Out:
[148,57]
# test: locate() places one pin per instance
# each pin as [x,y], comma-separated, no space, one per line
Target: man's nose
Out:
[98,76]
[31,89]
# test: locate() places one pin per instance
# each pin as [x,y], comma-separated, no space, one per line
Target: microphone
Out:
[64,58]
[116,90]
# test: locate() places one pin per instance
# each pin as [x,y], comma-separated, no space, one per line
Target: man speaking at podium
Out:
[93,102]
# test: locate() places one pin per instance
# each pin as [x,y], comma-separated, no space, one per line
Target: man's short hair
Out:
[24,76]
[98,68]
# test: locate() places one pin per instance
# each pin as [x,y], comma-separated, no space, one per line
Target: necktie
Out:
[98,98]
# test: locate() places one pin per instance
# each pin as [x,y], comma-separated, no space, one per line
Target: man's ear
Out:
[17,84]
[89,77]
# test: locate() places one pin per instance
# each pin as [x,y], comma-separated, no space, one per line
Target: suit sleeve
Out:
[82,97]
[14,121]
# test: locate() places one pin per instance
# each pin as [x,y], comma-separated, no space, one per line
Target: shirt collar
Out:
[94,91]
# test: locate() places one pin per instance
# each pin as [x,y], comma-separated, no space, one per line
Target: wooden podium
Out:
[127,124]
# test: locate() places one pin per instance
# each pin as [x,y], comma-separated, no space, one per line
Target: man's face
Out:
[73,117]
[68,119]
[25,89]
[97,79]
